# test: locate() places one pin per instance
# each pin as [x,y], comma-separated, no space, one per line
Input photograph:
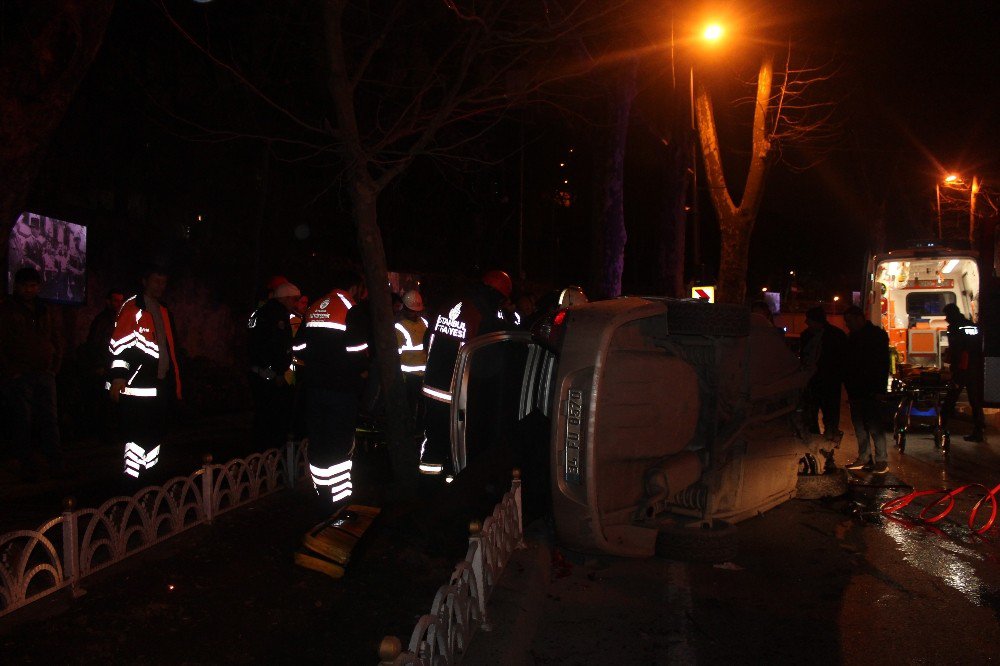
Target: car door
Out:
[492,391]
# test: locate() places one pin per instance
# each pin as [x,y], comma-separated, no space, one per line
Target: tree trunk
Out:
[612,195]
[736,222]
[672,236]
[403,455]
[44,60]
[731,286]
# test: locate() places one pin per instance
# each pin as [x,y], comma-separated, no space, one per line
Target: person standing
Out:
[332,350]
[866,377]
[30,355]
[145,379]
[411,329]
[97,359]
[965,353]
[823,348]
[271,335]
[480,312]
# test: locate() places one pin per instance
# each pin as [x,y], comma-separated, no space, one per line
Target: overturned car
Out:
[656,414]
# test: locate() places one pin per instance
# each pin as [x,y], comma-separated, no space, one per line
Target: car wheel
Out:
[718,543]
[818,486]
[713,319]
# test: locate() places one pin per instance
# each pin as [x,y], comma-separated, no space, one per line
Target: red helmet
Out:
[499,281]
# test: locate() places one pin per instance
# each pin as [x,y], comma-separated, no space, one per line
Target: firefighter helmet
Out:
[413,301]
[499,281]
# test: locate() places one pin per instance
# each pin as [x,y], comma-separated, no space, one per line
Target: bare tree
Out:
[782,118]
[485,58]
[47,47]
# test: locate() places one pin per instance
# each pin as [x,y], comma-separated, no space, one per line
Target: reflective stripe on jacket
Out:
[134,352]
[410,339]
[331,345]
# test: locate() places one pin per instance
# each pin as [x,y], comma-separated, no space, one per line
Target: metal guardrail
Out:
[63,551]
[442,636]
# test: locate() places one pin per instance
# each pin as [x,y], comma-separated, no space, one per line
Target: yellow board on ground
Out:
[704,292]
[327,546]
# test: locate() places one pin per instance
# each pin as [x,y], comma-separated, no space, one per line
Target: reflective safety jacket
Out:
[331,346]
[134,352]
[410,339]
[481,313]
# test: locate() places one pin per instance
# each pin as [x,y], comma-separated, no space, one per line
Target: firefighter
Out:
[482,311]
[145,379]
[270,328]
[411,329]
[333,353]
[965,352]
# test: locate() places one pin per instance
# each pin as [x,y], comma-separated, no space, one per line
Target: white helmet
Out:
[413,301]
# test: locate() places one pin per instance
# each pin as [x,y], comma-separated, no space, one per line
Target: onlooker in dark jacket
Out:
[965,354]
[96,360]
[866,377]
[30,355]
[823,348]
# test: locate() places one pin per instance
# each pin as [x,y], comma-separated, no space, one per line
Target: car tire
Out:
[718,543]
[711,319]
[818,486]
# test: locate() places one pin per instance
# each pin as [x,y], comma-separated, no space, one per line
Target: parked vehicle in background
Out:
[908,290]
[655,413]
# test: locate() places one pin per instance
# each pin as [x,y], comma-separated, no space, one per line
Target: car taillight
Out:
[548,331]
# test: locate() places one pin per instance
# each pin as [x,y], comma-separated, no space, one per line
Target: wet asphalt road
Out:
[815,582]
[827,581]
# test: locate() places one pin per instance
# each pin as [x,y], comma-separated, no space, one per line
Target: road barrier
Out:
[459,608]
[63,551]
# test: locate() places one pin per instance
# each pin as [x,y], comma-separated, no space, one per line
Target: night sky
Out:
[915,84]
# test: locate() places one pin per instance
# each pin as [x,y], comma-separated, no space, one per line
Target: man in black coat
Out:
[965,353]
[866,377]
[823,348]
[270,356]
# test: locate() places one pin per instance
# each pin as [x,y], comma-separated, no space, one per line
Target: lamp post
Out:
[954,181]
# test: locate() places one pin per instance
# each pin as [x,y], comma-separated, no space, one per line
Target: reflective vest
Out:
[330,345]
[478,314]
[134,352]
[410,338]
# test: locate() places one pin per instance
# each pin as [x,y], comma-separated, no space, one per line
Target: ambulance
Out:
[908,290]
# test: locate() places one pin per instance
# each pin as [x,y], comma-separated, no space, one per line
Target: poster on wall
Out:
[57,249]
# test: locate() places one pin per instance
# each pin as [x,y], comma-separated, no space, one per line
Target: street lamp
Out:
[955,181]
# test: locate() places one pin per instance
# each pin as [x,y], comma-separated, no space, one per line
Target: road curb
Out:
[516,606]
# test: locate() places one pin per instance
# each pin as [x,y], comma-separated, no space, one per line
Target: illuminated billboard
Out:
[57,249]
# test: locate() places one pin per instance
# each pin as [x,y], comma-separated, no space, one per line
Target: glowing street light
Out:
[713,32]
[956,181]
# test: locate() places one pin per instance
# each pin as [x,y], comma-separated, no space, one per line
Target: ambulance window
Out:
[928,303]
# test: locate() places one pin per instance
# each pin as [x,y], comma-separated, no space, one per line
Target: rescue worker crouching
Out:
[482,311]
[144,376]
[270,329]
[333,354]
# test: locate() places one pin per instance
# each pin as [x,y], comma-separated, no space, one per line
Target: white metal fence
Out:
[70,547]
[442,636]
